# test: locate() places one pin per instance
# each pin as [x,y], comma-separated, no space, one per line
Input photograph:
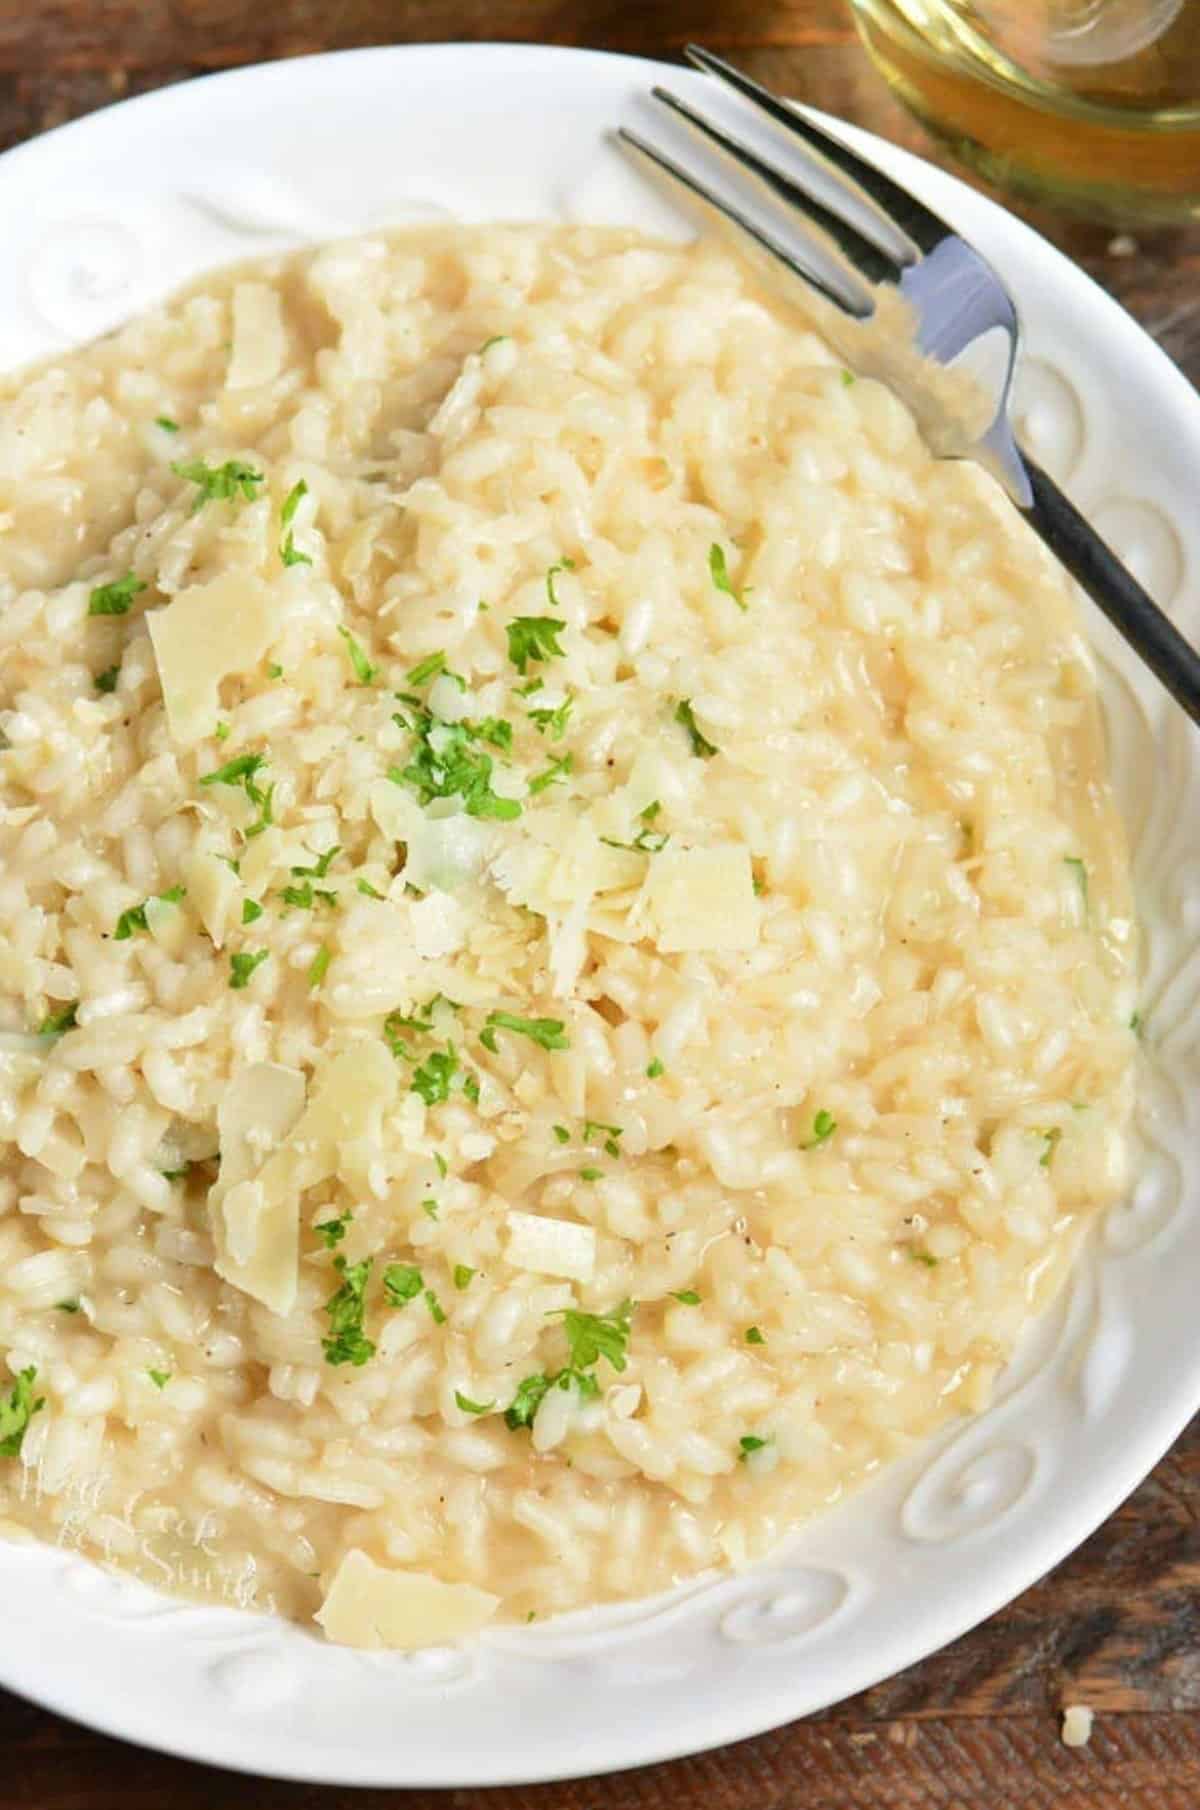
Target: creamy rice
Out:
[795,863]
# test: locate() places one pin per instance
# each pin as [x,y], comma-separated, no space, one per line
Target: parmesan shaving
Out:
[206,633]
[257,1237]
[702,898]
[370,1605]
[259,339]
[551,1247]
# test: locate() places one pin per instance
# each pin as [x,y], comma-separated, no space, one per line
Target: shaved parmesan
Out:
[702,898]
[256,1234]
[443,852]
[551,1247]
[212,889]
[370,1605]
[206,633]
[259,339]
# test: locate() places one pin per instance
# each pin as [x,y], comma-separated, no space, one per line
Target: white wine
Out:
[1091,103]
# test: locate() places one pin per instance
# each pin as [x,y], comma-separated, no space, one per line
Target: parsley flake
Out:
[319,965]
[367,890]
[701,746]
[533,638]
[364,672]
[558,769]
[242,966]
[750,1442]
[432,1080]
[165,422]
[435,1308]
[106,681]
[655,1068]
[17,1412]
[402,1283]
[526,1402]
[332,1231]
[135,917]
[719,573]
[68,1307]
[553,722]
[251,911]
[755,1336]
[562,1134]
[590,1174]
[548,1033]
[346,1307]
[115,599]
[160,1378]
[823,1128]
[472,1407]
[219,483]
[288,552]
[462,1275]
[686,1296]
[56,1024]
[445,764]
[595,1336]
[562,565]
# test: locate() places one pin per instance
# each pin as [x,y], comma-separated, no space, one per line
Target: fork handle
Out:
[1130,609]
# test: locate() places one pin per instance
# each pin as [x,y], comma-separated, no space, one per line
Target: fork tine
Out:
[917,222]
[858,306]
[875,265]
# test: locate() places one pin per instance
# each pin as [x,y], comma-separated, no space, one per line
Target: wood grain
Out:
[1117,1626]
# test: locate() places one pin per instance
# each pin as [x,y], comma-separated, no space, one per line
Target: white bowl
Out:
[104,217]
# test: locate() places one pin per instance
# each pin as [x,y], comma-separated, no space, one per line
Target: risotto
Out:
[566,957]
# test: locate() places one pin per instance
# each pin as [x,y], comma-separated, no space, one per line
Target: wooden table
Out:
[1118,1625]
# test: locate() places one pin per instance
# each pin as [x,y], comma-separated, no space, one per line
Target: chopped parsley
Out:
[470,1088]
[219,483]
[526,1402]
[925,1257]
[655,1068]
[287,547]
[494,730]
[367,890]
[590,1174]
[106,681]
[135,918]
[553,722]
[430,1208]
[823,1128]
[595,1131]
[165,422]
[687,1297]
[533,638]
[562,1134]
[755,1336]
[251,911]
[548,1033]
[160,1378]
[750,1442]
[319,965]
[274,670]
[595,1336]
[462,1275]
[242,966]
[719,573]
[364,672]
[433,1078]
[402,1283]
[496,340]
[443,1167]
[222,732]
[435,1307]
[54,1024]
[472,1407]
[701,746]
[68,1307]
[1137,1025]
[445,764]
[115,599]
[428,669]
[242,771]
[306,895]
[562,565]
[346,1307]
[558,769]
[17,1412]
[848,379]
[1079,868]
[1052,1139]
[332,1231]
[321,866]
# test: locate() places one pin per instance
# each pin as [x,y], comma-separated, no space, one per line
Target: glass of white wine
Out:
[1094,104]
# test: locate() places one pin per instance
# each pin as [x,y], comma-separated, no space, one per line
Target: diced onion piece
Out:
[703,898]
[370,1605]
[257,1234]
[259,339]
[552,1247]
[206,633]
